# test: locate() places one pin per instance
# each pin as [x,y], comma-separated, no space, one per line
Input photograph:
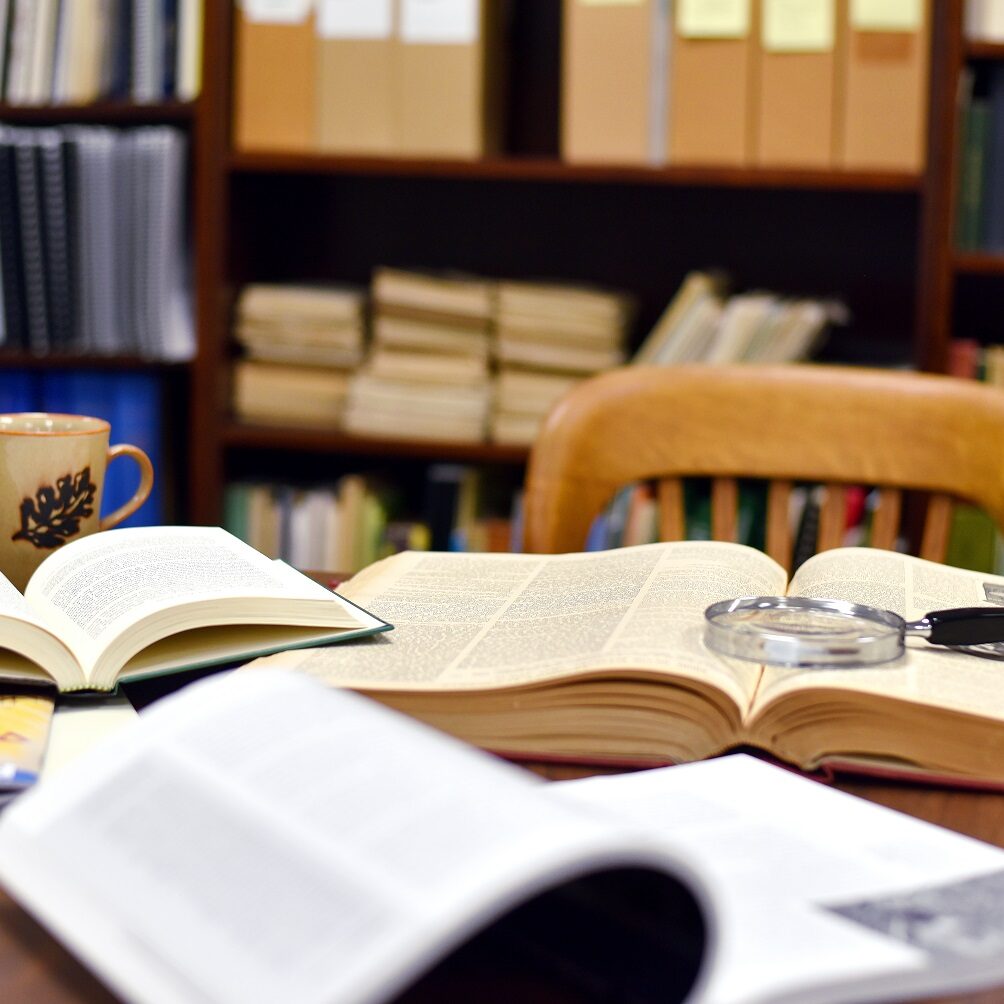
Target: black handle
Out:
[966,625]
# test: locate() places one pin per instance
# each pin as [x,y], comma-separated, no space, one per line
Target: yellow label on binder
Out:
[798,25]
[713,18]
[887,15]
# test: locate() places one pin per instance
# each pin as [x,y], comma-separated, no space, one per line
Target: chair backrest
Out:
[833,425]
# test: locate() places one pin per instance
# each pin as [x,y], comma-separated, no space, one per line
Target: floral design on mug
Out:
[54,514]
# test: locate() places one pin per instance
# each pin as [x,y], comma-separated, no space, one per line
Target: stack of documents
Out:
[550,336]
[300,343]
[427,375]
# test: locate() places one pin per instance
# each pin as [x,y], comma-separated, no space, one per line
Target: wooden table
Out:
[35,969]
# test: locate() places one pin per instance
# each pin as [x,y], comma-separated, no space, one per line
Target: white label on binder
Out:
[355,18]
[798,25]
[887,15]
[277,11]
[713,18]
[440,21]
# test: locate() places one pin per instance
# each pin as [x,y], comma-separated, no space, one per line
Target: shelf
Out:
[13,359]
[978,263]
[985,50]
[238,434]
[545,169]
[103,112]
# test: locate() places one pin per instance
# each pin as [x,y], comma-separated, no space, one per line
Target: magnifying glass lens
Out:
[804,633]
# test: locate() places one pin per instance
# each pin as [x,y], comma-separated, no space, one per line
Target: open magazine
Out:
[257,838]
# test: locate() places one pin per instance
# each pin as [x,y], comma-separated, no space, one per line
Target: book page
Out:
[473,621]
[783,852]
[260,838]
[911,587]
[97,588]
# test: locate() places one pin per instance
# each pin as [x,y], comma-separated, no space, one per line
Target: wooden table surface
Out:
[35,969]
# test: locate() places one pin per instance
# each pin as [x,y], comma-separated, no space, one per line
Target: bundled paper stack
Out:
[300,342]
[549,337]
[427,373]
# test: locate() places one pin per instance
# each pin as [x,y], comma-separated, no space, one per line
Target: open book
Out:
[601,656]
[137,602]
[259,838]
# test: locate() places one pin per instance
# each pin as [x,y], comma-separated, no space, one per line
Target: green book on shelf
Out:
[972,176]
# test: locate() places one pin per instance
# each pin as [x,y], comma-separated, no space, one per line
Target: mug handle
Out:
[142,492]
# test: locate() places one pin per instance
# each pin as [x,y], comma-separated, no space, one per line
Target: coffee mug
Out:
[52,477]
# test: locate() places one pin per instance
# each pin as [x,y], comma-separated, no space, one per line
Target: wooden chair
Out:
[896,431]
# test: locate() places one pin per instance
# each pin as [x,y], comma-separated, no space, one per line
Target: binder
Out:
[448,79]
[29,196]
[356,77]
[607,77]
[796,115]
[275,76]
[14,308]
[712,85]
[58,244]
[886,67]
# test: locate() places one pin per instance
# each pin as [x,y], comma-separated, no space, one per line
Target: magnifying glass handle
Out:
[962,626]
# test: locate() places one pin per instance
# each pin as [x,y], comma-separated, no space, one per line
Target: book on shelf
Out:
[647,886]
[137,602]
[797,86]
[601,657]
[983,21]
[458,296]
[712,72]
[73,53]
[356,78]
[274,76]
[885,95]
[612,82]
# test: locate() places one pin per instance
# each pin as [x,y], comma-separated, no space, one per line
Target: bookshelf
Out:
[880,239]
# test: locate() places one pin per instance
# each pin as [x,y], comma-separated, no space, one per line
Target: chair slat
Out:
[937,526]
[671,509]
[832,518]
[886,518]
[778,529]
[724,508]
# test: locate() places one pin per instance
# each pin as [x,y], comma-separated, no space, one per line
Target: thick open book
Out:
[138,602]
[260,838]
[601,656]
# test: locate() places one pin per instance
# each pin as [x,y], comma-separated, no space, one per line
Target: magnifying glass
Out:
[799,631]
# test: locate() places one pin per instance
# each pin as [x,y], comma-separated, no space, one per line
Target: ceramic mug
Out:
[52,477]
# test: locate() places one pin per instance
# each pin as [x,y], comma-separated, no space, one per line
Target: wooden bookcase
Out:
[881,241]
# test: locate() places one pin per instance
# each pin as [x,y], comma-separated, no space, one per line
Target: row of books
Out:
[404,77]
[822,85]
[705,323]
[444,357]
[92,241]
[979,207]
[81,51]
[132,402]
[360,518]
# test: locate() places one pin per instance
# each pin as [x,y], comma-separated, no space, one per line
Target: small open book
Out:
[138,602]
[259,838]
[601,657]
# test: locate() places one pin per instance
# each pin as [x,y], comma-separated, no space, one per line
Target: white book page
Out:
[776,847]
[473,621]
[197,856]
[97,588]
